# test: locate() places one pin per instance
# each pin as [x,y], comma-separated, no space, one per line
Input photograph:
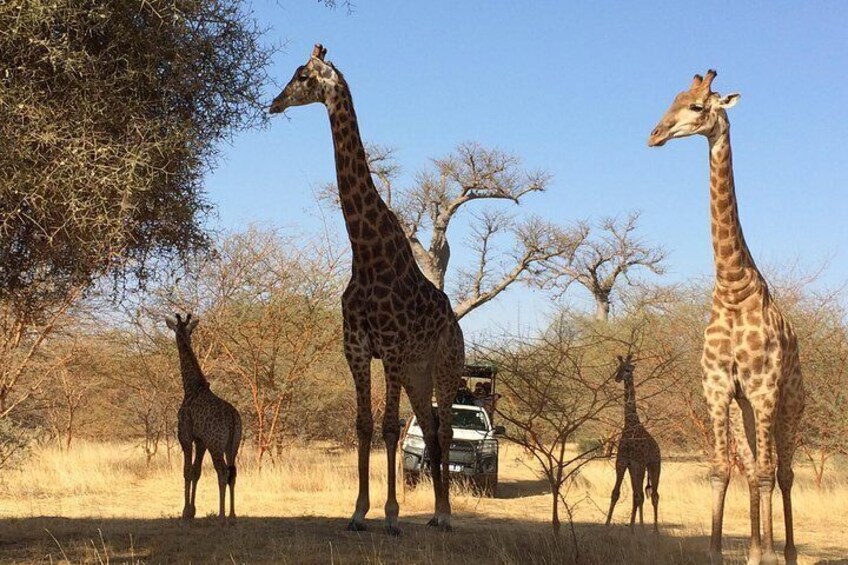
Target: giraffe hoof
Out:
[354,526]
[393,531]
[440,524]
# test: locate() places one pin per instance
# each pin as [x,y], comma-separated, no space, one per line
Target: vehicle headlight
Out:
[414,442]
[489,447]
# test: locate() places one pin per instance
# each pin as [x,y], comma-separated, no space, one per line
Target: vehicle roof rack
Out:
[480,371]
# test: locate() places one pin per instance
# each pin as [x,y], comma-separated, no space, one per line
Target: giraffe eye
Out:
[696,107]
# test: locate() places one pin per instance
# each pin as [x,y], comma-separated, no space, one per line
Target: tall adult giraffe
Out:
[391,310]
[750,351]
[638,451]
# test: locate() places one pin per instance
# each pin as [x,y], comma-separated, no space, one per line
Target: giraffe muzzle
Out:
[658,137]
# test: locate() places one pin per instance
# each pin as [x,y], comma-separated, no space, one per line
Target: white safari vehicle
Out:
[474,450]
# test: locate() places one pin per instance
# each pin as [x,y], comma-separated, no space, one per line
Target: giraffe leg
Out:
[230,459]
[637,479]
[654,482]
[785,438]
[391,433]
[427,422]
[199,453]
[221,470]
[743,425]
[620,469]
[766,474]
[188,508]
[718,403]
[360,368]
[445,399]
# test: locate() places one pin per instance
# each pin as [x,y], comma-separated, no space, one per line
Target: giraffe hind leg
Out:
[786,430]
[653,485]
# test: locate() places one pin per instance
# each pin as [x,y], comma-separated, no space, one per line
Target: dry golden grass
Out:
[101,503]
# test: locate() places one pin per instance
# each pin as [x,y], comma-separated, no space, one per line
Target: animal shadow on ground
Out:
[475,539]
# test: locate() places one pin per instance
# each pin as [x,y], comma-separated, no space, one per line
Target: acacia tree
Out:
[601,260]
[428,208]
[112,112]
[269,315]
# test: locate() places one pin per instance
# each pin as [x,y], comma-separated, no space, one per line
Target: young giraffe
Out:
[637,450]
[391,311]
[205,421]
[750,351]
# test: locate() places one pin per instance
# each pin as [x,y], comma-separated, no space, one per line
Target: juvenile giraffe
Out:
[637,450]
[205,422]
[391,310]
[751,370]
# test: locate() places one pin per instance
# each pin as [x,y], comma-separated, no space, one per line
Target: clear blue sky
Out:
[574,90]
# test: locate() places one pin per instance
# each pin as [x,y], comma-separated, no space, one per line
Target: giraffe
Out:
[206,422]
[391,311]
[751,369]
[638,451]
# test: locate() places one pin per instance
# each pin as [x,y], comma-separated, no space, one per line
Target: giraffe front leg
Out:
[361,370]
[391,434]
[637,480]
[184,437]
[620,469]
[718,393]
[196,469]
[764,412]
[743,425]
[188,509]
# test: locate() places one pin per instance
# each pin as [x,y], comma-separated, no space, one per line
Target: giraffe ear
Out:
[171,323]
[620,358]
[730,100]
[192,324]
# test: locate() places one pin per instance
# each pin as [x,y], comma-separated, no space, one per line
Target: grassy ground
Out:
[103,504]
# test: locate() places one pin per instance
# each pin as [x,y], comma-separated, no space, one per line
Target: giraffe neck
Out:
[631,416]
[737,276]
[193,379]
[372,227]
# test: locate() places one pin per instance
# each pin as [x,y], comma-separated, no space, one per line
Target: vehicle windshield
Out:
[470,420]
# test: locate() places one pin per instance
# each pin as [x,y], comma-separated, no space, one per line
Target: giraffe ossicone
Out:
[391,311]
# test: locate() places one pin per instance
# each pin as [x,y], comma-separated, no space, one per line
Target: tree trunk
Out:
[555,523]
[602,309]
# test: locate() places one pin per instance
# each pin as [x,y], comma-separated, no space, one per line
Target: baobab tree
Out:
[448,185]
[614,253]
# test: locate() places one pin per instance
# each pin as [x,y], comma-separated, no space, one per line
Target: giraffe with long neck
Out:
[638,452]
[205,422]
[391,311]
[751,369]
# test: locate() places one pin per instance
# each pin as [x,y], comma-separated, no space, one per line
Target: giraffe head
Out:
[182,326]
[694,111]
[624,372]
[311,83]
